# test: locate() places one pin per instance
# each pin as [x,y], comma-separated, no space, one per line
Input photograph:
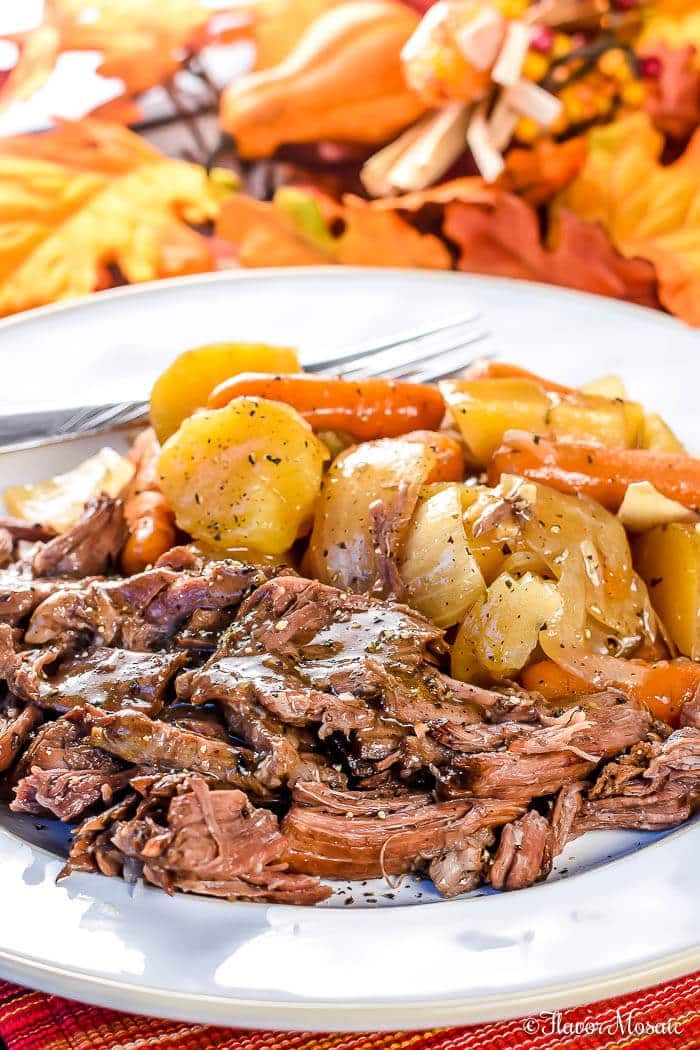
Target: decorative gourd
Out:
[343,81]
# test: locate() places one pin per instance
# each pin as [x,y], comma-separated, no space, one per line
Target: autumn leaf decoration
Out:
[492,231]
[304,228]
[143,44]
[90,204]
[501,236]
[649,210]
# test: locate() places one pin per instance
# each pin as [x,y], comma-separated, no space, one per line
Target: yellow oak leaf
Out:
[675,23]
[649,210]
[64,227]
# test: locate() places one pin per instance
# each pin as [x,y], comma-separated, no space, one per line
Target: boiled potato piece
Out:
[610,386]
[484,409]
[186,384]
[247,475]
[657,435]
[59,501]
[668,559]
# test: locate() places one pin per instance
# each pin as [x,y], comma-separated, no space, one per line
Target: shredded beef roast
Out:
[90,547]
[184,836]
[310,655]
[520,853]
[17,723]
[112,679]
[143,611]
[539,759]
[663,793]
[158,707]
[365,841]
[64,774]
[143,741]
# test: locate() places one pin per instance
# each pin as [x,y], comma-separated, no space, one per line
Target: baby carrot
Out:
[449,464]
[596,471]
[150,520]
[486,369]
[367,409]
[663,686]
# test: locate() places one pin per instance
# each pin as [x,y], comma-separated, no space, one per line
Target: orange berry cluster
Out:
[591,87]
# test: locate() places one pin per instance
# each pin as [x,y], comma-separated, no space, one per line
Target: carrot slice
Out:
[449,464]
[596,471]
[367,408]
[486,369]
[663,686]
[553,682]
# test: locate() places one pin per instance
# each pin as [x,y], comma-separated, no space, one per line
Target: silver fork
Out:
[423,354]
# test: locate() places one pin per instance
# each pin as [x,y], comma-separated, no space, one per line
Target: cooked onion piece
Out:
[644,508]
[521,527]
[368,498]
[59,501]
[247,475]
[441,575]
[501,631]
[577,533]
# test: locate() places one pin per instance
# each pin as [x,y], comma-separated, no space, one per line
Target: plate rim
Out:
[323,1015]
[301,272]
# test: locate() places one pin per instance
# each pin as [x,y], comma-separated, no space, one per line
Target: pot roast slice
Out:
[534,760]
[144,611]
[381,836]
[111,679]
[656,786]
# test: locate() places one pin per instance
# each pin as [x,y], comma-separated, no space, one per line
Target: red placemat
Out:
[665,1016]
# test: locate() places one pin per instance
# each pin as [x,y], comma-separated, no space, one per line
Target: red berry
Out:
[542,40]
[578,40]
[650,66]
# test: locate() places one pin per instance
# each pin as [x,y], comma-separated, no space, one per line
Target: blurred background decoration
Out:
[555,140]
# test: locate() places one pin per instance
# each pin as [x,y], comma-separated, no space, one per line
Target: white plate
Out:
[621,911]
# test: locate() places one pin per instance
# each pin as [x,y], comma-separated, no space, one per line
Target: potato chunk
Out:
[186,384]
[658,436]
[247,475]
[668,559]
[484,409]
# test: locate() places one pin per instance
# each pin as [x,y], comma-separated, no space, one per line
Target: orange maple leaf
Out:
[649,210]
[536,174]
[503,238]
[302,228]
